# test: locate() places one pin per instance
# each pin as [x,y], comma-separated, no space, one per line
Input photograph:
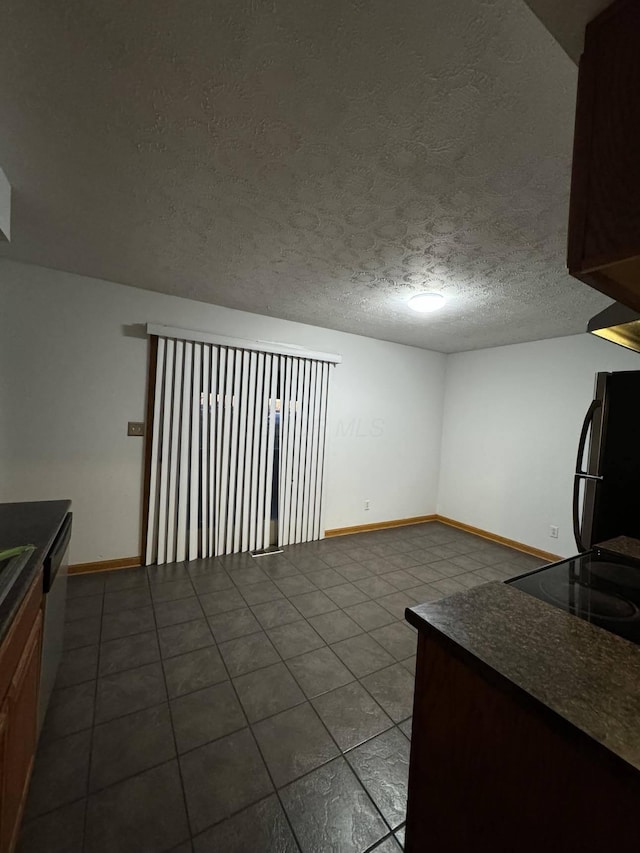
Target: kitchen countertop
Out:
[621,546]
[584,674]
[34,523]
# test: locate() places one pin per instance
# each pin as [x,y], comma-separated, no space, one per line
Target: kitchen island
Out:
[526,729]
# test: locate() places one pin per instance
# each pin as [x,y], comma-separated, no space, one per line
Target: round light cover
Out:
[424,302]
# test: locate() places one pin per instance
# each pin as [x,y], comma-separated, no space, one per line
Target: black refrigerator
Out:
[606,493]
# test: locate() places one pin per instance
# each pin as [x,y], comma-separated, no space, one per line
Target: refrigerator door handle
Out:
[582,475]
[588,420]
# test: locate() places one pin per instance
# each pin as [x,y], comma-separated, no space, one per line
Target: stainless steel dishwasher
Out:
[56,565]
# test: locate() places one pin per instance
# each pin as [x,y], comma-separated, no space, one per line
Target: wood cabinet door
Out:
[612,52]
[4,732]
[604,219]
[493,770]
[21,737]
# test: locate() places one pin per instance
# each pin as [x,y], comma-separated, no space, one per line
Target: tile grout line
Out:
[381,841]
[325,644]
[341,753]
[173,731]
[238,588]
[249,724]
[499,561]
[307,700]
[216,644]
[169,700]
[93,723]
[257,745]
[396,727]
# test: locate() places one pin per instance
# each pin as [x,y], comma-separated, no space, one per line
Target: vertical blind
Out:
[235,433]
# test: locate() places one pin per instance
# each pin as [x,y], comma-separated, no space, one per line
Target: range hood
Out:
[618,324]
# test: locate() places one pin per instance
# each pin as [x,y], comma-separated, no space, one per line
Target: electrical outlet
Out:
[553,531]
[135,428]
[367,505]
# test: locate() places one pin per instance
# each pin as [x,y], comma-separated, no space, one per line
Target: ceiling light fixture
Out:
[424,302]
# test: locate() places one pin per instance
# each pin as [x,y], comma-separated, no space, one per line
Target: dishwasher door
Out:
[56,565]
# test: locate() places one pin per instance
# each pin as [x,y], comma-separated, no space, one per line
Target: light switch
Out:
[135,428]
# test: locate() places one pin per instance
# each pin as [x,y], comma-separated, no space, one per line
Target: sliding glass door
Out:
[236,450]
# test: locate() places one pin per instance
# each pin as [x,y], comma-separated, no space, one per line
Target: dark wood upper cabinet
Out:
[604,221]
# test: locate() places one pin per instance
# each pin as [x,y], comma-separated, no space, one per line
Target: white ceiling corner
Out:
[567,21]
[318,162]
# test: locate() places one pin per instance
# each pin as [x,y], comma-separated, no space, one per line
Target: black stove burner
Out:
[584,600]
[621,576]
[605,592]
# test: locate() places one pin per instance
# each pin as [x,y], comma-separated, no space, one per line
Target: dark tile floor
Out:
[245,705]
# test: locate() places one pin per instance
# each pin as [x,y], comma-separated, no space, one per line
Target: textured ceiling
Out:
[318,162]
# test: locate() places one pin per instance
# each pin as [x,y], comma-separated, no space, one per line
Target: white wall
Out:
[512,418]
[71,377]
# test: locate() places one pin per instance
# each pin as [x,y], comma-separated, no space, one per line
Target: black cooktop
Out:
[597,587]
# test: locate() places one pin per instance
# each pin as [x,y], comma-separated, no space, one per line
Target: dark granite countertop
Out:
[621,546]
[34,523]
[586,675]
